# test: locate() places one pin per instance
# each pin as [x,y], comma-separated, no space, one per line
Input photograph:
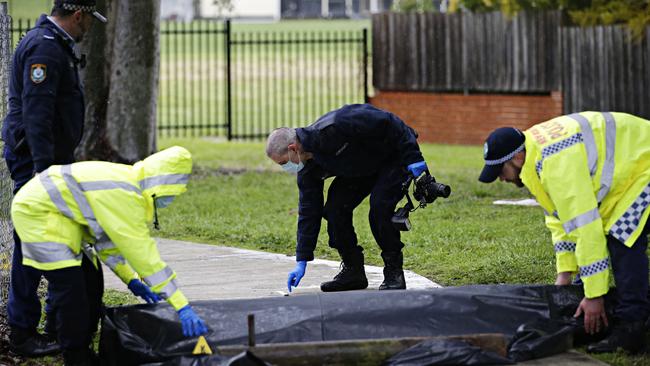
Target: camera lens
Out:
[442,190]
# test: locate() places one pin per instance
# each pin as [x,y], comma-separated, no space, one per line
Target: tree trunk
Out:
[121,82]
[131,119]
[98,47]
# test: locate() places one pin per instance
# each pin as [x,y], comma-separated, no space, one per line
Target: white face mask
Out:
[164,201]
[291,167]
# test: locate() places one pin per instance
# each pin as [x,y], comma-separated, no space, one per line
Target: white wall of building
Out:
[177,9]
[253,9]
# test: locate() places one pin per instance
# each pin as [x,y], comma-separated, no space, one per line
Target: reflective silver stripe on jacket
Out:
[48,252]
[102,185]
[82,202]
[104,244]
[594,268]
[168,290]
[159,277]
[54,194]
[629,221]
[556,148]
[112,261]
[608,165]
[564,246]
[164,179]
[589,141]
[581,220]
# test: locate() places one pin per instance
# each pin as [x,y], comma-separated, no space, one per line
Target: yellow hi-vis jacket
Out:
[590,172]
[108,205]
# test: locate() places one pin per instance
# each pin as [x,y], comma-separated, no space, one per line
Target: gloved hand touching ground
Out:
[296,275]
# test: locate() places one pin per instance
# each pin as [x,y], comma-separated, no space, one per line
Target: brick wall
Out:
[467,119]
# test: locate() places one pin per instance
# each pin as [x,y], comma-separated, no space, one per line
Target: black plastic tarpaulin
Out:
[152,333]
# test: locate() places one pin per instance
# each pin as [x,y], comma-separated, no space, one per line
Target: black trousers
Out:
[346,193]
[630,268]
[76,298]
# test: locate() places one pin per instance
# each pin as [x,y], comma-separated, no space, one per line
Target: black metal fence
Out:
[241,85]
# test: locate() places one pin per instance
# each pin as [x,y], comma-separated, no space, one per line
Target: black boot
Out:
[629,336]
[393,273]
[31,344]
[352,275]
[80,357]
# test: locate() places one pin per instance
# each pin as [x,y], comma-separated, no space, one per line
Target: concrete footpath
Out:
[210,272]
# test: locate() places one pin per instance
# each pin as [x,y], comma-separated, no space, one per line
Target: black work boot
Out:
[393,273]
[352,275]
[31,344]
[627,335]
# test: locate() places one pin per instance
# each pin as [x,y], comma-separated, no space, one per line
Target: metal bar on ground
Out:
[251,330]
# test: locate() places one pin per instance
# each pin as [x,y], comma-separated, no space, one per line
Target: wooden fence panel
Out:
[605,70]
[466,52]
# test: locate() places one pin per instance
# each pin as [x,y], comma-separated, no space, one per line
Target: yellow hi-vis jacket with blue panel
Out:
[107,204]
[590,172]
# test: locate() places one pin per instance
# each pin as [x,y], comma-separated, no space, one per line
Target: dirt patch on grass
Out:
[203,172]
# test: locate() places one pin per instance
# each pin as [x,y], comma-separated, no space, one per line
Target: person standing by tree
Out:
[43,127]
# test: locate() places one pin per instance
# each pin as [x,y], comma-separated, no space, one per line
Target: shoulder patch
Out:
[38,73]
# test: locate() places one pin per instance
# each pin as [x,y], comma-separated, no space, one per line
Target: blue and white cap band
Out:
[505,158]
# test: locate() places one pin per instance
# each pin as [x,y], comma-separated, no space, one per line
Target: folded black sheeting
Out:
[152,333]
[243,359]
[446,352]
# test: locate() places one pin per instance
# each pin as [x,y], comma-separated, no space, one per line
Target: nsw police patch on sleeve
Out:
[38,73]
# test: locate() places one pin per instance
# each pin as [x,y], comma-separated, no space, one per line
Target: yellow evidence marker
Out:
[202,347]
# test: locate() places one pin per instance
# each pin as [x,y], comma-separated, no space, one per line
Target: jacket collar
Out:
[48,22]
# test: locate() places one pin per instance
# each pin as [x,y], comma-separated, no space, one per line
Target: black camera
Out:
[425,191]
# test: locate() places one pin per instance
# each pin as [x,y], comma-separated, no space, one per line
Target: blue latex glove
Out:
[192,325]
[140,289]
[296,275]
[417,168]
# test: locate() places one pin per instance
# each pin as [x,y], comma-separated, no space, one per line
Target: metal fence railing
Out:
[242,84]
[6,229]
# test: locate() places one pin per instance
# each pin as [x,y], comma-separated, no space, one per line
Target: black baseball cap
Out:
[501,146]
[88,6]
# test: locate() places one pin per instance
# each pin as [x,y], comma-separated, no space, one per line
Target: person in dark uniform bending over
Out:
[370,152]
[43,127]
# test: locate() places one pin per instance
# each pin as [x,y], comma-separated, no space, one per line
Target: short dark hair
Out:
[60,12]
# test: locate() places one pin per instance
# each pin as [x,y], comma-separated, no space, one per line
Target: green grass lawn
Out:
[461,240]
